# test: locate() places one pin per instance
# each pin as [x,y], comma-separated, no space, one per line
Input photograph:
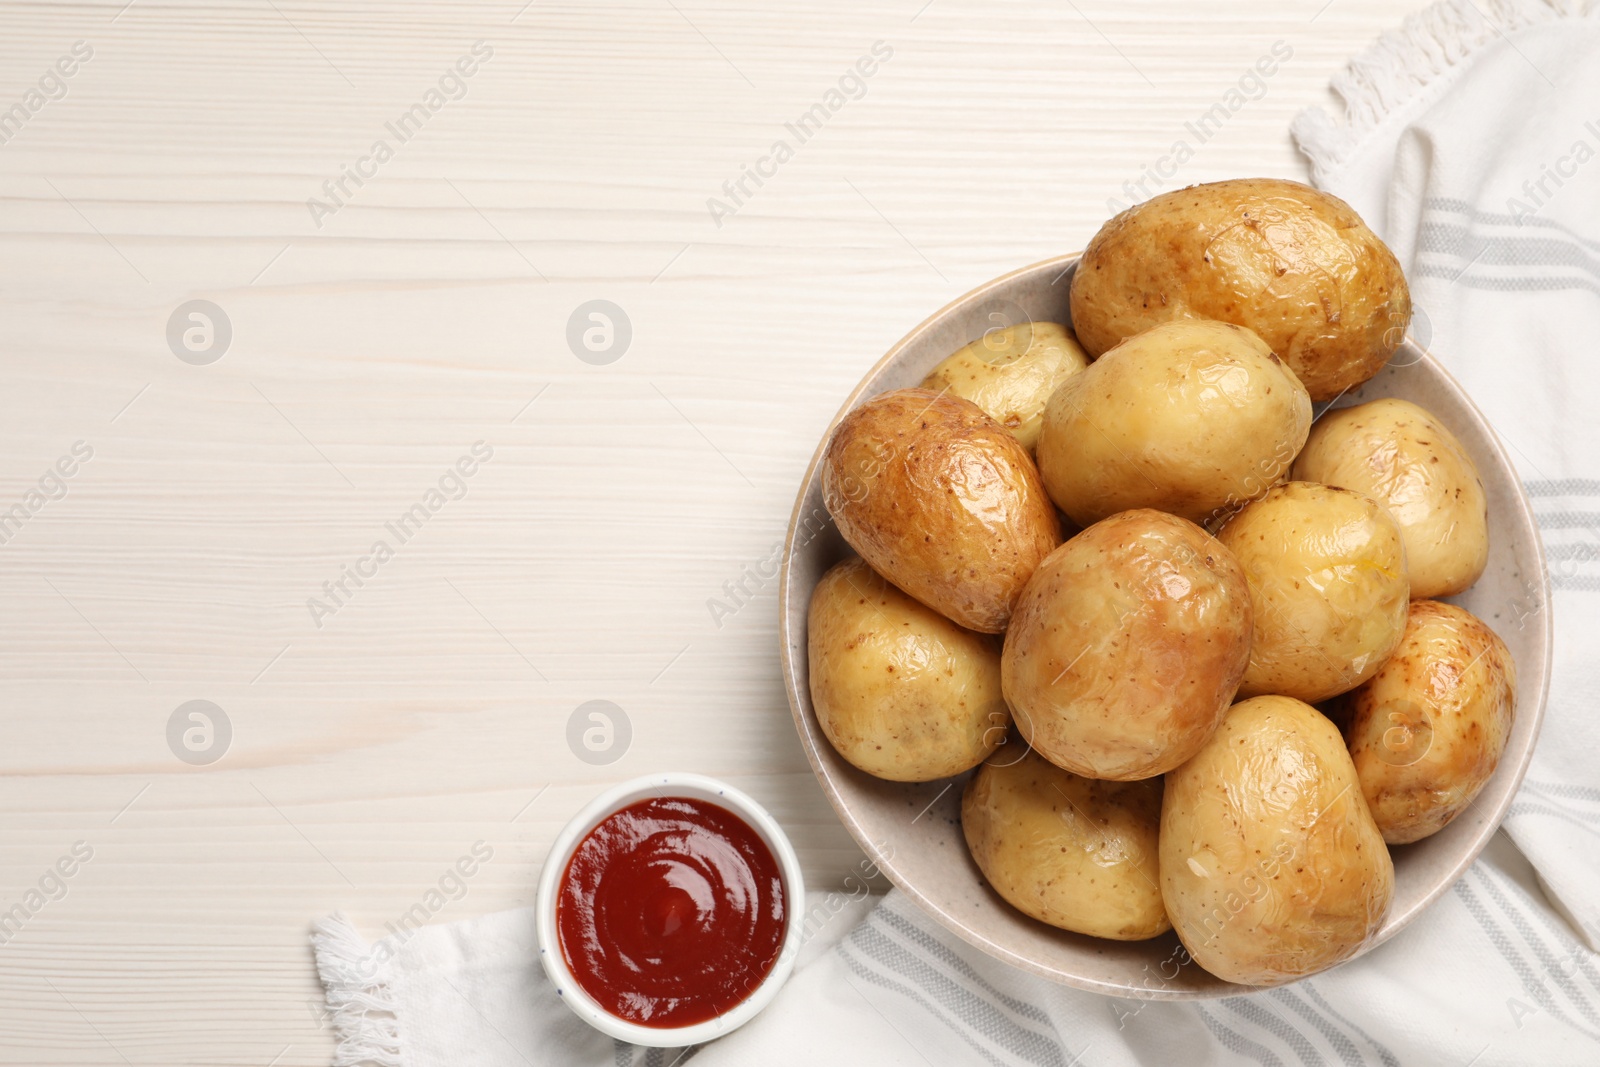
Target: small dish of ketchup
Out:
[667,910]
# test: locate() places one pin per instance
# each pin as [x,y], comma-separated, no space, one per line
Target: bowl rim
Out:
[884,858]
[667,784]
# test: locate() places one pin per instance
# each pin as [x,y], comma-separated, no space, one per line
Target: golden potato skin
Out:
[1328,589]
[1271,865]
[902,692]
[1127,646]
[1295,265]
[1427,730]
[1188,417]
[1071,852]
[1011,372]
[1401,456]
[942,500]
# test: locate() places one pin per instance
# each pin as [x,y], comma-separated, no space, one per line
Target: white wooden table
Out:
[376,336]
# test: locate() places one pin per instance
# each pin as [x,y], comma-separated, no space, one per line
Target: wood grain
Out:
[428,313]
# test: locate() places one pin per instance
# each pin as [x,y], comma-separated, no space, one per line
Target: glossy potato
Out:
[902,692]
[1068,851]
[1295,265]
[1271,865]
[1127,646]
[942,500]
[1401,456]
[1188,417]
[1328,589]
[1011,372]
[1427,730]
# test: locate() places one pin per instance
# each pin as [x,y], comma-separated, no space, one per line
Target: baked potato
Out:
[1271,865]
[902,692]
[1069,851]
[1188,417]
[1401,456]
[1295,265]
[1127,646]
[1427,730]
[1328,589]
[942,500]
[1010,372]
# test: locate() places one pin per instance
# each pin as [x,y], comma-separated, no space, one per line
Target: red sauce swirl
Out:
[671,912]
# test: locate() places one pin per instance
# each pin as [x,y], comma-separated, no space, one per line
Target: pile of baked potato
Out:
[1225,686]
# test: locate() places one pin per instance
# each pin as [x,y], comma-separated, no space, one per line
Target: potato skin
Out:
[1127,646]
[942,500]
[1071,852]
[1426,732]
[1295,265]
[902,692]
[1271,865]
[1188,417]
[1403,457]
[1011,372]
[1328,588]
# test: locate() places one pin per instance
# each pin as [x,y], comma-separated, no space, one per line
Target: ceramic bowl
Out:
[913,831]
[697,787]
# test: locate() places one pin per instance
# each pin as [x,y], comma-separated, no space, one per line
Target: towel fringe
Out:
[356,981]
[1395,68]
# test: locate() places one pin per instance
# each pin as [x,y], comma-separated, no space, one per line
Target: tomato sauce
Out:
[671,912]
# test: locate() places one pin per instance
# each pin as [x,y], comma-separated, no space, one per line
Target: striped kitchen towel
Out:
[1488,976]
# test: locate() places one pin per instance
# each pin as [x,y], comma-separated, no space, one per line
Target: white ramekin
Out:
[695,787]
